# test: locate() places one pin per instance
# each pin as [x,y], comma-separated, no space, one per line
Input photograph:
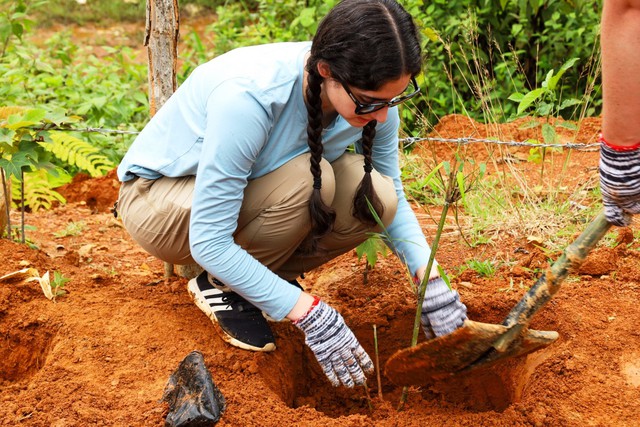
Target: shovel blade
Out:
[467,348]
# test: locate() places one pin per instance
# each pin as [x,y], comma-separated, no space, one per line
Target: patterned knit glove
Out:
[442,310]
[337,350]
[619,183]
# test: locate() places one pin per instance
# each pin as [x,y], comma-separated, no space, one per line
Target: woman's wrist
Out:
[304,304]
[420,272]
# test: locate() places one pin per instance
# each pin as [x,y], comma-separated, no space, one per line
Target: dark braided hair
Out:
[365,43]
[322,216]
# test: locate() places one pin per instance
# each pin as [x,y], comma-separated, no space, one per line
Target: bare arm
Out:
[621,71]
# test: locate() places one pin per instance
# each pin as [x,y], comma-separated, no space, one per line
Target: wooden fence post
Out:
[162,32]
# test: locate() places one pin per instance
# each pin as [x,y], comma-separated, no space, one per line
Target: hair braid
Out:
[322,216]
[366,192]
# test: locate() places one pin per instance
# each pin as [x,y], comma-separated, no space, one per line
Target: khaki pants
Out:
[274,217]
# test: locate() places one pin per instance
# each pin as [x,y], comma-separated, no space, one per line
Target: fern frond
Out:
[38,190]
[79,153]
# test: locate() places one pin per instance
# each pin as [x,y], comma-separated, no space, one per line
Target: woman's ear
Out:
[324,70]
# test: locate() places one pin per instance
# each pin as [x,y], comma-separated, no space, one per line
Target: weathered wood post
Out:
[162,32]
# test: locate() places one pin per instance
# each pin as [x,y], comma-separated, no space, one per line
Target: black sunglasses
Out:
[375,106]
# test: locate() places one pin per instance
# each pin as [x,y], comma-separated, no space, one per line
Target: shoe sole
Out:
[204,307]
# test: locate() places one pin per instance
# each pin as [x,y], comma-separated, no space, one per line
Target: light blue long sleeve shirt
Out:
[234,119]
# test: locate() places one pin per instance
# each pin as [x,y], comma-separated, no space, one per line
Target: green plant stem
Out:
[23,238]
[425,279]
[422,290]
[366,391]
[375,346]
[7,201]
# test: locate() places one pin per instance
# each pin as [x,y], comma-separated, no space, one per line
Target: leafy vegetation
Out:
[31,139]
[478,52]
[493,60]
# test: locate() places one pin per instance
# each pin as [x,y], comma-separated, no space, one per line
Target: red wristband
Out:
[618,147]
[316,301]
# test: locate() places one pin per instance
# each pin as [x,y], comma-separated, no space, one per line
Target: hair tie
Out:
[367,167]
[317,183]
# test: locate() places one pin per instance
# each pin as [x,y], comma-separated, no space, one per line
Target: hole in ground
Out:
[494,388]
[23,351]
[294,374]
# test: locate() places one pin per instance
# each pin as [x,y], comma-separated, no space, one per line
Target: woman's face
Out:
[337,99]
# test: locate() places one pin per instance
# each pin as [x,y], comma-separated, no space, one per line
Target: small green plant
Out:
[455,183]
[14,20]
[72,229]
[545,102]
[419,185]
[57,284]
[370,249]
[31,140]
[484,268]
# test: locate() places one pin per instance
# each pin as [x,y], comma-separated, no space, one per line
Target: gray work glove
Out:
[337,350]
[442,310]
[620,184]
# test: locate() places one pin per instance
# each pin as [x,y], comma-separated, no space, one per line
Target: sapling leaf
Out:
[568,125]
[460,182]
[530,124]
[569,103]
[16,164]
[529,99]
[544,109]
[549,82]
[549,134]
[553,82]
[370,249]
[444,276]
[517,97]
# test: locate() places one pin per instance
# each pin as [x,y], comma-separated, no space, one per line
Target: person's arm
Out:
[620,41]
[236,131]
[620,139]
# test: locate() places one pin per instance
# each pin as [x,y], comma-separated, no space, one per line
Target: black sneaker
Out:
[241,323]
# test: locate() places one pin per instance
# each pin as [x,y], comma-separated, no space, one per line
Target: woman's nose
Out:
[381,115]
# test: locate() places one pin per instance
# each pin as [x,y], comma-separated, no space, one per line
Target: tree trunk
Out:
[161,38]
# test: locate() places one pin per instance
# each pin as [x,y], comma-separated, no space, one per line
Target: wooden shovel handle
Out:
[549,283]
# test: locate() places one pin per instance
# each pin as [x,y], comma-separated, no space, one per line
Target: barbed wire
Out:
[463,141]
[407,142]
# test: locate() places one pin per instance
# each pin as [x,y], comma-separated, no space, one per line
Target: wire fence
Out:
[407,142]
[463,141]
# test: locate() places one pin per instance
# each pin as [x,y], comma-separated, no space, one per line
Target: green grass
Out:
[72,229]
[484,268]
